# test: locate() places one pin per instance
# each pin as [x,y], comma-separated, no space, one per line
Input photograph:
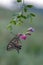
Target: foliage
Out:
[21,17]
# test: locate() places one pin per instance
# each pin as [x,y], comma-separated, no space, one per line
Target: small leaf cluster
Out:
[26,7]
[21,17]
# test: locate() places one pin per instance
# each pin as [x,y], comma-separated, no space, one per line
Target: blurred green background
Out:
[32,48]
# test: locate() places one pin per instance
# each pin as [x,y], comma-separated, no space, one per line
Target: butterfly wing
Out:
[14,44]
[18,47]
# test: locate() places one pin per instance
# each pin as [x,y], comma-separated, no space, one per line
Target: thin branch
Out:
[22,6]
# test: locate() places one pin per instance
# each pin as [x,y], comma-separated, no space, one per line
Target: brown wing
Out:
[14,44]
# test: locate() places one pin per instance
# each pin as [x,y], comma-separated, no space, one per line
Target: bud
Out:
[31,29]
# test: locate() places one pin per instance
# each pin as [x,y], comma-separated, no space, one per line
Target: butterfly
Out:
[14,44]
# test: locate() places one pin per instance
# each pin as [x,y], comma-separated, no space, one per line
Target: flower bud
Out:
[31,29]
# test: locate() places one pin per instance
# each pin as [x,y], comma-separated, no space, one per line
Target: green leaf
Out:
[32,14]
[20,21]
[9,27]
[18,16]
[19,0]
[23,16]
[30,6]
[19,24]
[13,22]
[25,9]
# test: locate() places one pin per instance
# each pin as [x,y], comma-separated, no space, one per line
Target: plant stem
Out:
[22,6]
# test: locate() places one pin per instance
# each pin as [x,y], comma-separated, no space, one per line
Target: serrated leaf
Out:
[32,14]
[30,6]
[19,0]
